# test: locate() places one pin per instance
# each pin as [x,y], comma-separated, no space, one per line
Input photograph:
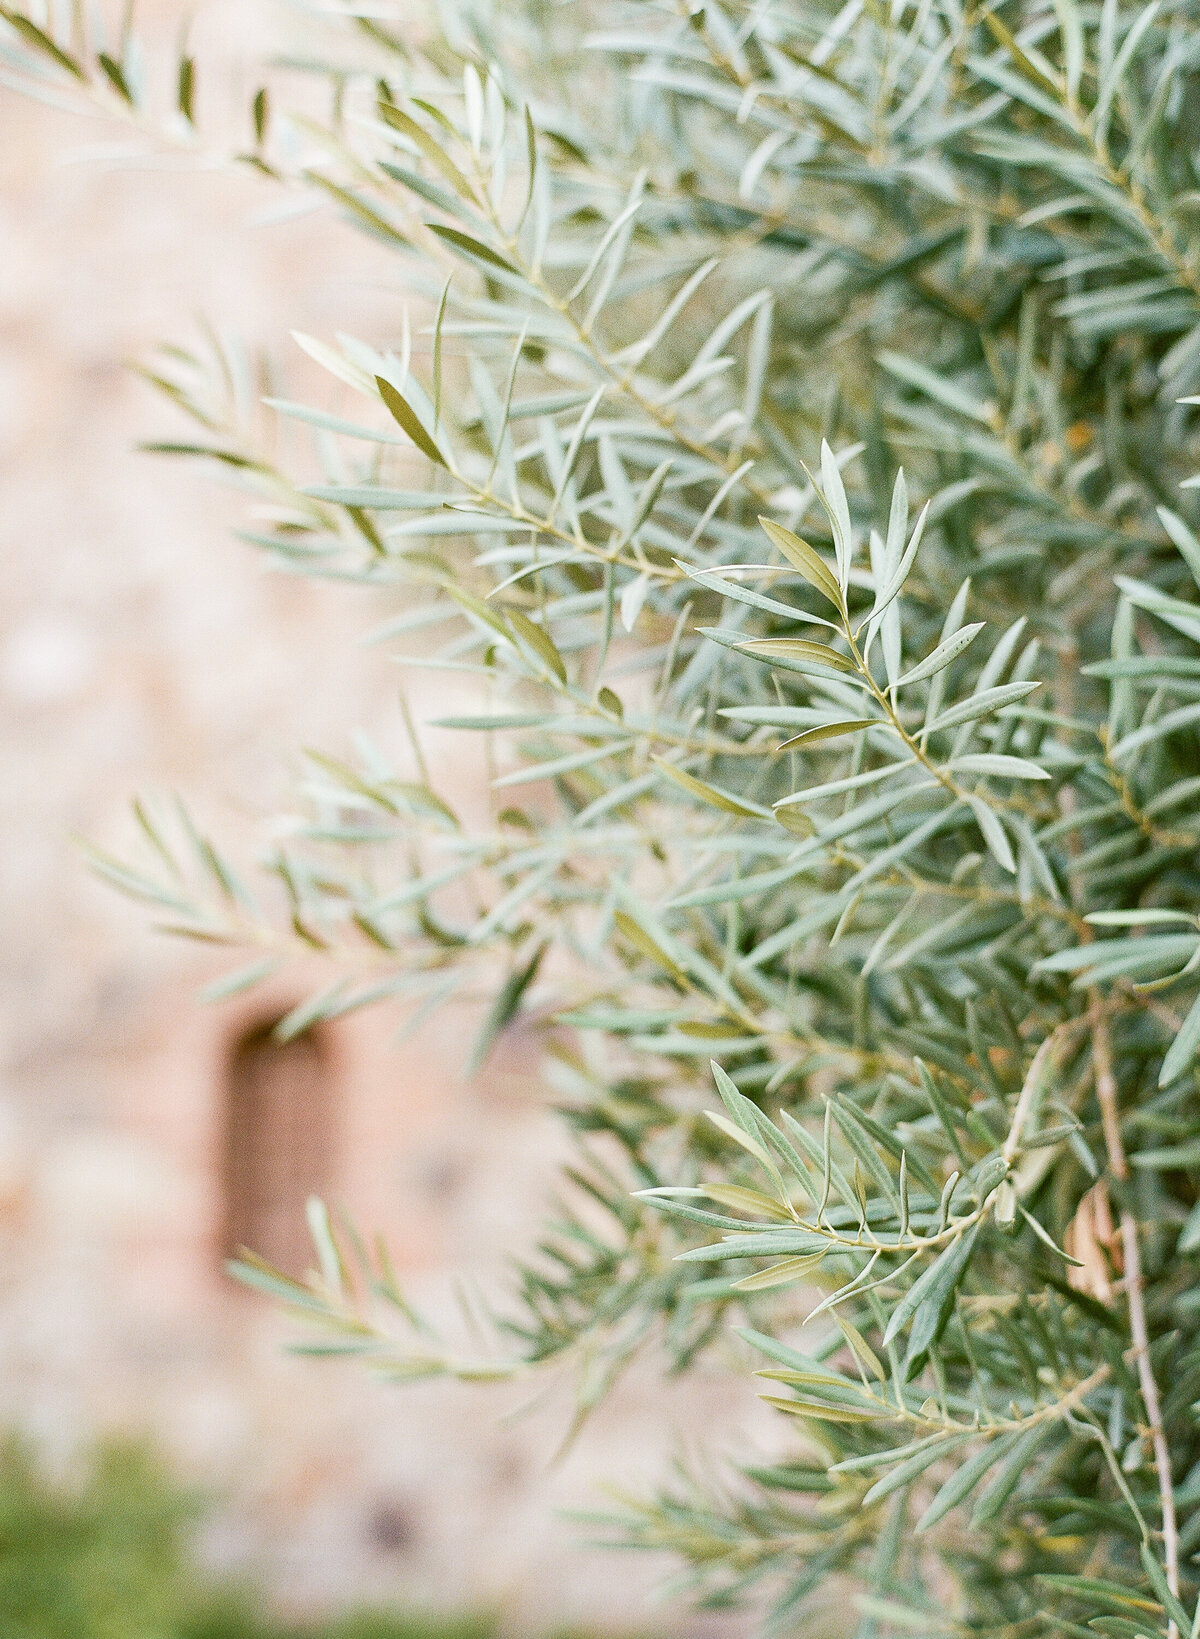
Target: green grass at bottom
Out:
[109,1559]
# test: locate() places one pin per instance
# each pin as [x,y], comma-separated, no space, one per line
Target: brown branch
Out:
[1106,1094]
[1135,1292]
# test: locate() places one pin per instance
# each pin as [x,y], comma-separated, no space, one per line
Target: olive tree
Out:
[793,438]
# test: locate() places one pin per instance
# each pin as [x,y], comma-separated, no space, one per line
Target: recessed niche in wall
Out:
[279,1142]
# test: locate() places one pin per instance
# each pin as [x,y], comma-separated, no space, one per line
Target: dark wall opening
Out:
[278,1148]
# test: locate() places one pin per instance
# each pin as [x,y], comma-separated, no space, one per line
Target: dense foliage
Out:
[876,785]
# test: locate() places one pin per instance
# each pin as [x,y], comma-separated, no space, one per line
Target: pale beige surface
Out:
[141,647]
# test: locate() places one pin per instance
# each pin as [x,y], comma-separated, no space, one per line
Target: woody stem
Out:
[1106,1095]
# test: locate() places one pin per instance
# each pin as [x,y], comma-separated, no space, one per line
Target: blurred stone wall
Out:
[142,648]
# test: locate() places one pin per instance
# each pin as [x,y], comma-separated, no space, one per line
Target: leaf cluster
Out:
[793,436]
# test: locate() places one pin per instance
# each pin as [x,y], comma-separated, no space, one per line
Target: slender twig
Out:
[1135,1294]
[1106,1095]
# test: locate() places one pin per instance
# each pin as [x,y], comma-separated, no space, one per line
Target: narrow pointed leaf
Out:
[402,413]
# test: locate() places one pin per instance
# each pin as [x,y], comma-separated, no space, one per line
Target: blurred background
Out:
[143,1134]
